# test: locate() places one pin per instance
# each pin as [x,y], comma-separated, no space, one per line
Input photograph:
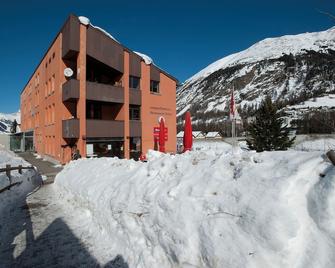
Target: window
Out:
[53,83]
[154,86]
[134,82]
[53,114]
[49,86]
[134,112]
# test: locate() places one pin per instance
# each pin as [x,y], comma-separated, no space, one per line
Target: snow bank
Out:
[210,209]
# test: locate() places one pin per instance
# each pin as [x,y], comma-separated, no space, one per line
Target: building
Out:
[213,135]
[198,135]
[195,135]
[91,91]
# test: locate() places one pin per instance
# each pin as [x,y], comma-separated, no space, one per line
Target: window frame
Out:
[152,89]
[131,79]
[132,108]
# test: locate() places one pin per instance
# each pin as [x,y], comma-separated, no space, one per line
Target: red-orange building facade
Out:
[108,107]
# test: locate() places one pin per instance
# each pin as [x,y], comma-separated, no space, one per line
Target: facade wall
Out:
[156,105]
[41,101]
[43,109]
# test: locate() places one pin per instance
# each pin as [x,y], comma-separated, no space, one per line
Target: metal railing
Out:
[8,170]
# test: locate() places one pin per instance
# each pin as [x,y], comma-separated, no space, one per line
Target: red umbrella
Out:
[188,137]
[161,140]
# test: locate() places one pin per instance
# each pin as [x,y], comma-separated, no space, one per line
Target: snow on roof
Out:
[146,58]
[197,133]
[213,134]
[272,48]
[86,21]
[180,134]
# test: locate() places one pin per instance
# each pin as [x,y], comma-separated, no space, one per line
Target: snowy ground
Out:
[208,208]
[322,145]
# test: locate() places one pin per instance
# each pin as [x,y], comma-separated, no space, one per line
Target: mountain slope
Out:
[291,69]
[6,121]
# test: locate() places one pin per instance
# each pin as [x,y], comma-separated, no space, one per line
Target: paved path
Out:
[39,231]
[46,168]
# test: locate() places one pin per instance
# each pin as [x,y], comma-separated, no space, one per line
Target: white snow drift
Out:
[210,209]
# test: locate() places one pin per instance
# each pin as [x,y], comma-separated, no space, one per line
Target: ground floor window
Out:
[105,148]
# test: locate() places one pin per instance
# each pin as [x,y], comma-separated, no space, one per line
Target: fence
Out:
[8,170]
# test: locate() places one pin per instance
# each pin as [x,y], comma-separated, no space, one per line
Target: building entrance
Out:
[105,148]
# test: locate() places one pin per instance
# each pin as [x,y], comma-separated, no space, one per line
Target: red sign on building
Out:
[156,133]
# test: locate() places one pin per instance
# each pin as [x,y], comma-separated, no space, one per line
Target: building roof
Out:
[197,134]
[213,134]
[80,18]
[180,134]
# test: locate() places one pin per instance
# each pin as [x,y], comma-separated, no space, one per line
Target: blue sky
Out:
[181,36]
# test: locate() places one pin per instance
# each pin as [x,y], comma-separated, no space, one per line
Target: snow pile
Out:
[210,209]
[272,48]
[28,179]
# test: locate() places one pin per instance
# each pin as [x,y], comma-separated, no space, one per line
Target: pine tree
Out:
[267,132]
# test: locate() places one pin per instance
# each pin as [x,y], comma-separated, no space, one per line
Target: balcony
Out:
[135,96]
[104,49]
[104,128]
[70,37]
[103,92]
[70,90]
[70,128]
[135,128]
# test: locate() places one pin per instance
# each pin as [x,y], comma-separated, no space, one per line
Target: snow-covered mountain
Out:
[292,69]
[6,121]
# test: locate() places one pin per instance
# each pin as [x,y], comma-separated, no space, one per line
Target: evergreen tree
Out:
[267,132]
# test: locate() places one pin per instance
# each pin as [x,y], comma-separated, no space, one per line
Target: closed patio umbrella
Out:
[188,138]
[161,140]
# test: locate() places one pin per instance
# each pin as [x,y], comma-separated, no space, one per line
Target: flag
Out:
[232,112]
